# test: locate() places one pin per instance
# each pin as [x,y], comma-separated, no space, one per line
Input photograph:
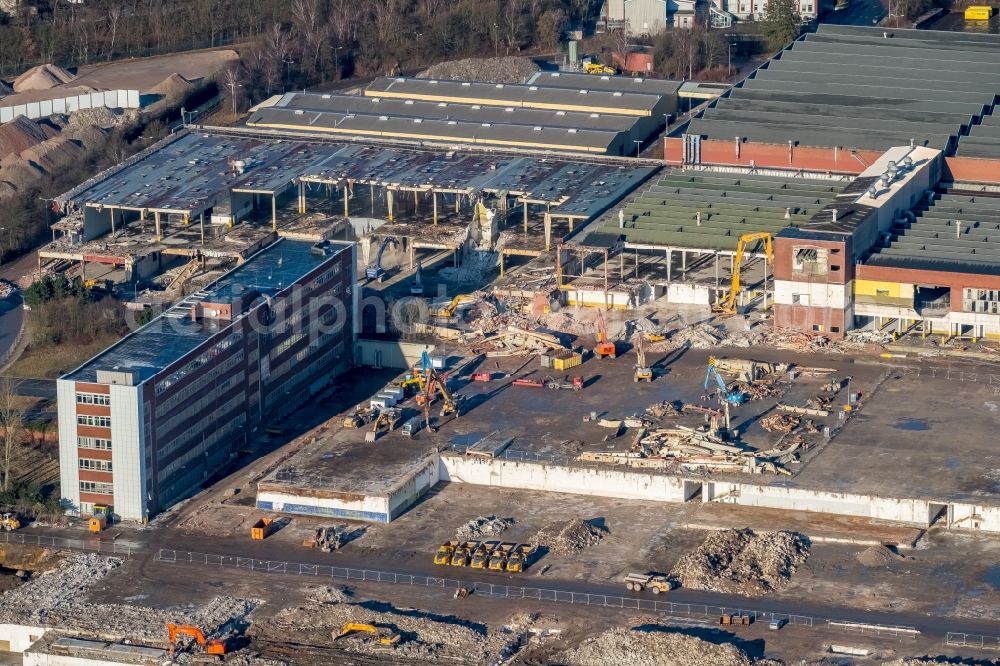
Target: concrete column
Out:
[83,269]
[274,212]
[621,265]
[454,257]
[412,249]
[112,212]
[636,264]
[684,263]
[525,217]
[347,209]
[458,202]
[548,231]
[388,199]
[716,272]
[416,203]
[371,190]
[501,264]
[302,198]
[434,199]
[156,220]
[570,219]
[201,221]
[669,264]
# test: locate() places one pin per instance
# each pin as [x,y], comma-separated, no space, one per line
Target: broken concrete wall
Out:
[414,486]
[601,482]
[689,293]
[350,506]
[19,637]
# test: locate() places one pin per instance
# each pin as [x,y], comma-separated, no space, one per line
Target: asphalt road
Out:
[148,543]
[859,12]
[36,388]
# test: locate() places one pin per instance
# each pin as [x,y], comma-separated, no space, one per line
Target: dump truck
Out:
[657,584]
[518,558]
[460,558]
[262,528]
[444,553]
[481,555]
[360,417]
[574,384]
[498,559]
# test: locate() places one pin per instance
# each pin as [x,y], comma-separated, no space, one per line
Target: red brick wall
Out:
[970,169]
[84,387]
[784,252]
[719,152]
[803,318]
[97,498]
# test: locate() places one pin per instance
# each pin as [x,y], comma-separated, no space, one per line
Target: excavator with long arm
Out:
[728,306]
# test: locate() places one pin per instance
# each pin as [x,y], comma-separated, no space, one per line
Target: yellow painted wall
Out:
[872,287]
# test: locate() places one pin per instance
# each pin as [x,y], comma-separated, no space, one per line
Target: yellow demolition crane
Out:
[728,306]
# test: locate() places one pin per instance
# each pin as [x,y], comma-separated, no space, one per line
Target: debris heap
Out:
[651,647]
[483,527]
[509,69]
[571,536]
[54,598]
[878,556]
[742,561]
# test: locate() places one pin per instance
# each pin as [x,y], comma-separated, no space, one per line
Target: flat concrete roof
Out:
[530,96]
[174,334]
[578,81]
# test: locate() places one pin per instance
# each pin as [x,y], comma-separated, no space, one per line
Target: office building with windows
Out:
[147,421]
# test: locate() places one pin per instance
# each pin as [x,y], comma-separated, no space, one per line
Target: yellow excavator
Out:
[448,311]
[728,306]
[643,373]
[384,635]
[9,522]
[436,383]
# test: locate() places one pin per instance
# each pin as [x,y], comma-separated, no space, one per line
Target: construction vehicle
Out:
[417,288]
[387,418]
[359,417]
[481,555]
[726,395]
[657,584]
[517,560]
[444,552]
[383,635]
[654,337]
[9,522]
[412,426]
[591,66]
[728,305]
[215,646]
[498,559]
[575,384]
[327,539]
[604,346]
[463,553]
[262,529]
[412,383]
[374,270]
[436,384]
[448,311]
[481,376]
[643,373]
[744,620]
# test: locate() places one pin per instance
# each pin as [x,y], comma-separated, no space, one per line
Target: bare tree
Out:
[620,45]
[12,422]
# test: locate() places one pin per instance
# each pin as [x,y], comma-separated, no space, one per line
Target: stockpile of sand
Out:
[174,87]
[742,561]
[42,77]
[20,134]
[623,647]
[878,556]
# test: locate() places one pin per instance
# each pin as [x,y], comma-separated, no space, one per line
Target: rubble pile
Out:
[509,69]
[780,423]
[698,336]
[483,527]
[757,390]
[742,561]
[656,647]
[7,289]
[571,536]
[425,636]
[868,337]
[55,598]
[662,410]
[329,594]
[878,556]
[100,117]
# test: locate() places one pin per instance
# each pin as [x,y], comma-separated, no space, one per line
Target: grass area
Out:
[51,361]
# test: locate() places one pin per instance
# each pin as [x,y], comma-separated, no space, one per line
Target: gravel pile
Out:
[878,556]
[508,69]
[424,635]
[54,598]
[483,527]
[570,537]
[742,561]
[623,647]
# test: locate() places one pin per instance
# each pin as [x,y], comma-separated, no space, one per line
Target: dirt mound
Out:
[623,647]
[42,77]
[742,561]
[508,69]
[173,88]
[878,556]
[19,134]
[53,155]
[571,536]
[483,527]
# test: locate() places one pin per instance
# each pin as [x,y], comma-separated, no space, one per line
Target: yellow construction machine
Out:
[518,558]
[384,635]
[448,311]
[444,553]
[462,554]
[481,555]
[9,522]
[728,306]
[590,66]
[643,373]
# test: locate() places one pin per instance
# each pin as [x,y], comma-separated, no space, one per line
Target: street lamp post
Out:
[288,64]
[729,64]
[232,93]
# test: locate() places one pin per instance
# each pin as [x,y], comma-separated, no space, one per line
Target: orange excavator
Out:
[214,646]
[604,346]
